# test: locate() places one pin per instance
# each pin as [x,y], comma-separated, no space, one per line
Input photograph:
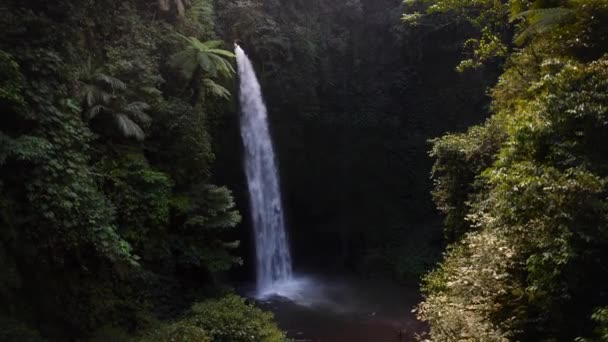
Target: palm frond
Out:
[183,37]
[221,52]
[216,89]
[137,109]
[93,111]
[94,95]
[137,106]
[111,81]
[212,44]
[207,56]
[129,128]
[204,61]
[197,44]
[224,66]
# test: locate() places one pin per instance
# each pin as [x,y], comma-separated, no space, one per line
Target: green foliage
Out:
[202,62]
[466,291]
[182,331]
[538,203]
[231,319]
[541,20]
[459,158]
[184,139]
[227,319]
[487,16]
[140,196]
[91,236]
[208,56]
[600,317]
[100,96]
[12,81]
[484,49]
[495,21]
[206,216]
[199,20]
[54,216]
[541,220]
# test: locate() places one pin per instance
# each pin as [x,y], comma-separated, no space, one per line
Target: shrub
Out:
[230,319]
[182,331]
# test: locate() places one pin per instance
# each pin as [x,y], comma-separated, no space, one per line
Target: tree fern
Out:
[128,128]
[92,112]
[206,55]
[137,110]
[202,62]
[113,82]
[96,86]
[101,96]
[216,89]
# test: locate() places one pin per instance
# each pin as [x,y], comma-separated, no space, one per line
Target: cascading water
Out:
[272,250]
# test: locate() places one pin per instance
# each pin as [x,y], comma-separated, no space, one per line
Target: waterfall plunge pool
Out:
[342,309]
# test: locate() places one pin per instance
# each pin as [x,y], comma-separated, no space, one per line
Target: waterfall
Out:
[273,260]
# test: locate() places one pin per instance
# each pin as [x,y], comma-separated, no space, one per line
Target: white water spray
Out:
[272,250]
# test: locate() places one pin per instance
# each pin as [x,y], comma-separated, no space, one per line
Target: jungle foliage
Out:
[119,148]
[110,220]
[118,125]
[524,195]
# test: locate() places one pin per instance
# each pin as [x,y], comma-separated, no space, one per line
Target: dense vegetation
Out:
[525,193]
[110,217]
[121,183]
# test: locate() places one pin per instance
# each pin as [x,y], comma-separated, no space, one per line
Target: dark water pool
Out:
[344,309]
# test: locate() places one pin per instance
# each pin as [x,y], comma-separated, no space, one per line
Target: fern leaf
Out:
[129,128]
[212,44]
[197,44]
[137,109]
[206,64]
[137,106]
[93,111]
[111,81]
[221,52]
[222,65]
[216,89]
